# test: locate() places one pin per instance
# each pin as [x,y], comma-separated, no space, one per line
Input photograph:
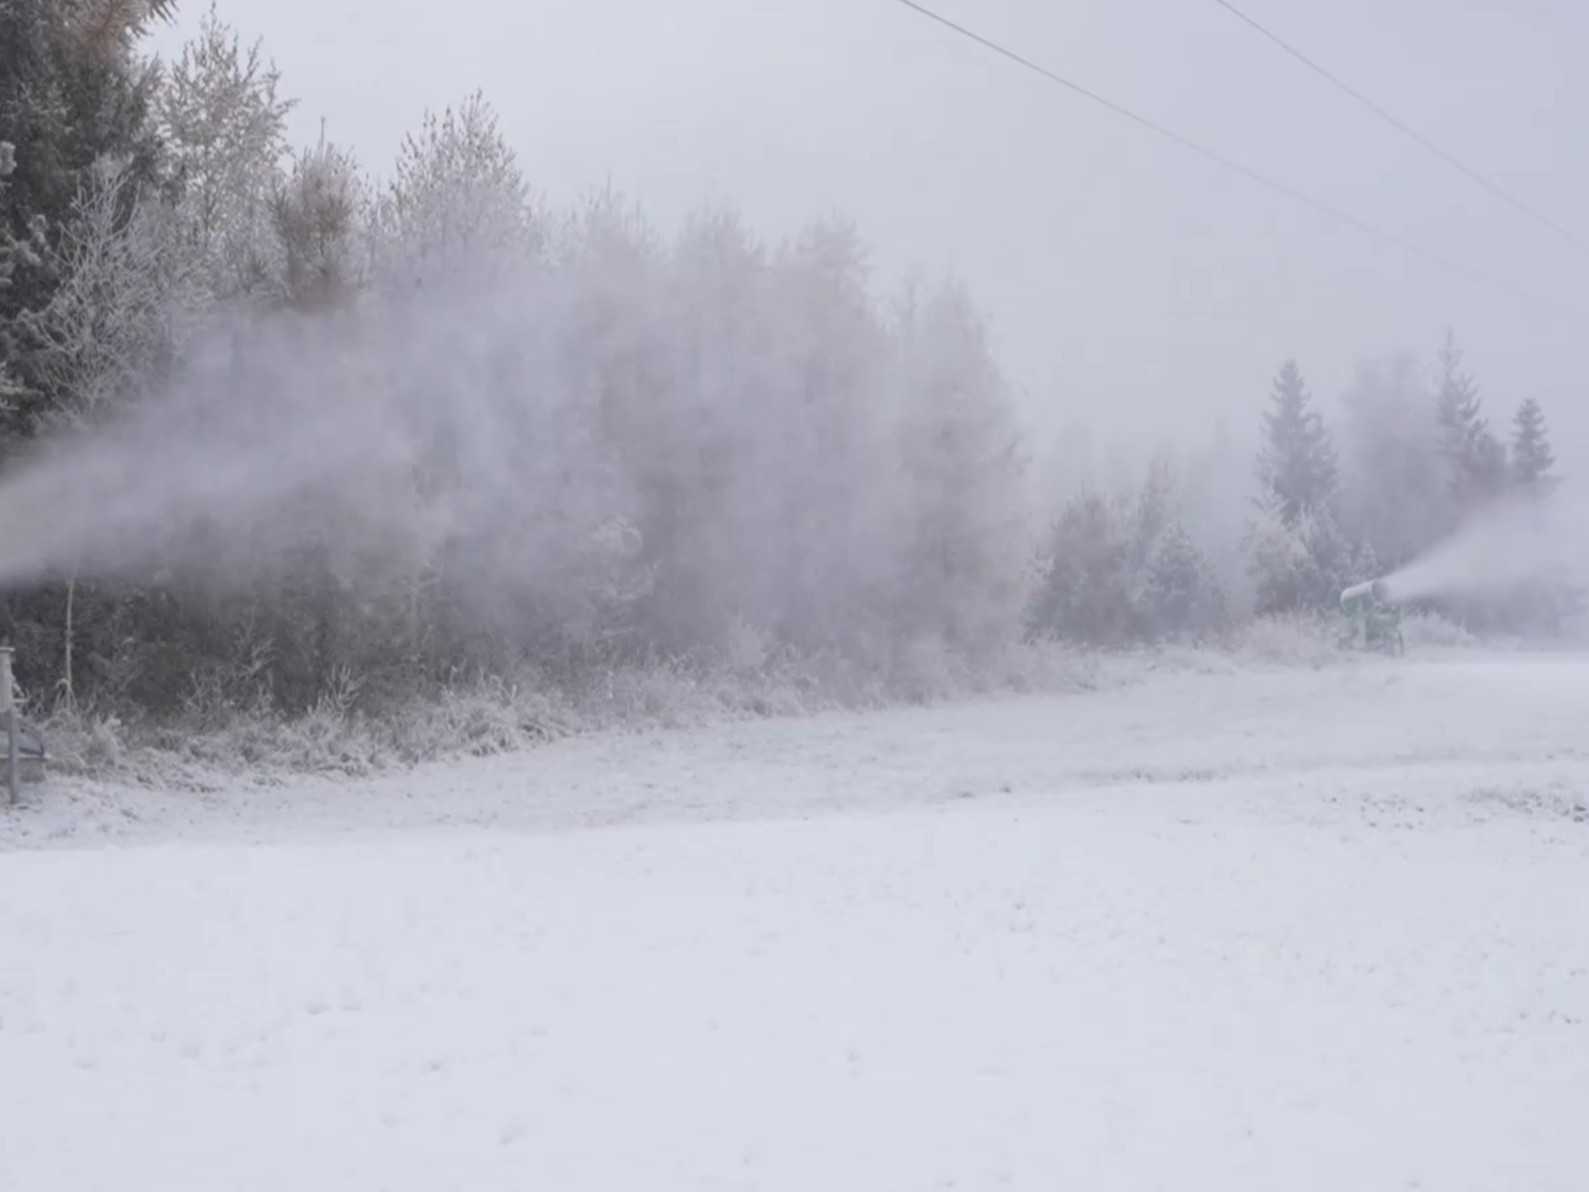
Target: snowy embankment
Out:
[1249,929]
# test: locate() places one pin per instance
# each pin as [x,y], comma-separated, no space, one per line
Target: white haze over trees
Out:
[1128,283]
[280,427]
[409,428]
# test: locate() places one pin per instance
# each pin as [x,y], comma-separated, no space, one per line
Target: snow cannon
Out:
[1374,590]
[1373,620]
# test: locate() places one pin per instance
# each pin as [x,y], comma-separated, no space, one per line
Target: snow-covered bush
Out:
[1303,564]
[1292,639]
[1427,628]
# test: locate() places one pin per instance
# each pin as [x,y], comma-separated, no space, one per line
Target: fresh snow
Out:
[1222,928]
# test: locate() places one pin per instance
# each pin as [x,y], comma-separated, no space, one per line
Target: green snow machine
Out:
[1373,620]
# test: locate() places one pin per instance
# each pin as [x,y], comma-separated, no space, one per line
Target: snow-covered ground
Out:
[1221,929]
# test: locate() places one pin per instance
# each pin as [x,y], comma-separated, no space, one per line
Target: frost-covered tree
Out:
[1475,459]
[1299,557]
[706,468]
[73,93]
[1085,592]
[314,216]
[108,29]
[1296,464]
[1126,569]
[84,268]
[615,391]
[827,406]
[1304,564]
[458,202]
[109,332]
[10,388]
[315,219]
[1532,458]
[224,124]
[963,472]
[121,307]
[1184,595]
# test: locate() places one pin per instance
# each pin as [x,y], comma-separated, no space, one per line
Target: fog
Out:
[607,437]
[1129,283]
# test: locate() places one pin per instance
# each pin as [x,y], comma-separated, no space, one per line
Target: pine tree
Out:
[72,94]
[1296,464]
[1532,458]
[1182,594]
[1475,458]
[1085,593]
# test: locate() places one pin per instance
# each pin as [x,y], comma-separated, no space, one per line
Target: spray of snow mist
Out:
[1509,543]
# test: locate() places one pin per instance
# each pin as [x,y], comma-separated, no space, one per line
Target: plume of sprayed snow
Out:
[539,440]
[286,432]
[1512,542]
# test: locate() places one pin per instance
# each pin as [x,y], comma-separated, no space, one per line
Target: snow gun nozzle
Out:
[1375,589]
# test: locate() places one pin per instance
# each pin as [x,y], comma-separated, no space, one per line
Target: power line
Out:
[1411,247]
[1401,126]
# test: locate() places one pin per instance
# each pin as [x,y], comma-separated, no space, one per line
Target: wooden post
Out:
[8,707]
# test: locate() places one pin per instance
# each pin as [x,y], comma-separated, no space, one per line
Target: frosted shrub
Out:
[1432,629]
[745,648]
[1303,564]
[1297,638]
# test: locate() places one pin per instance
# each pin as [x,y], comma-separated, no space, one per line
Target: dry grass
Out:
[217,738]
[1294,639]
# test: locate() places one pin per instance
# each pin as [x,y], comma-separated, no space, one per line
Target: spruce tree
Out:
[1532,458]
[1475,458]
[73,92]
[1296,464]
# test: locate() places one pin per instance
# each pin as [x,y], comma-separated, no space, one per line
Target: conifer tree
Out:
[72,94]
[1475,458]
[1296,464]
[1532,458]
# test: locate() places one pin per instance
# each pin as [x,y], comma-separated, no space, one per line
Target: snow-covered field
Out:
[1222,929]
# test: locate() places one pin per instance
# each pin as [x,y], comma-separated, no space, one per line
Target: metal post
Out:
[8,705]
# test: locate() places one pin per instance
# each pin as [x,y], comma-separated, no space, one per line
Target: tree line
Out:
[561,440]
[1409,463]
[557,439]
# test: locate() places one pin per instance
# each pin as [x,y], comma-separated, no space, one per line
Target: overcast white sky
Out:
[1128,282]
